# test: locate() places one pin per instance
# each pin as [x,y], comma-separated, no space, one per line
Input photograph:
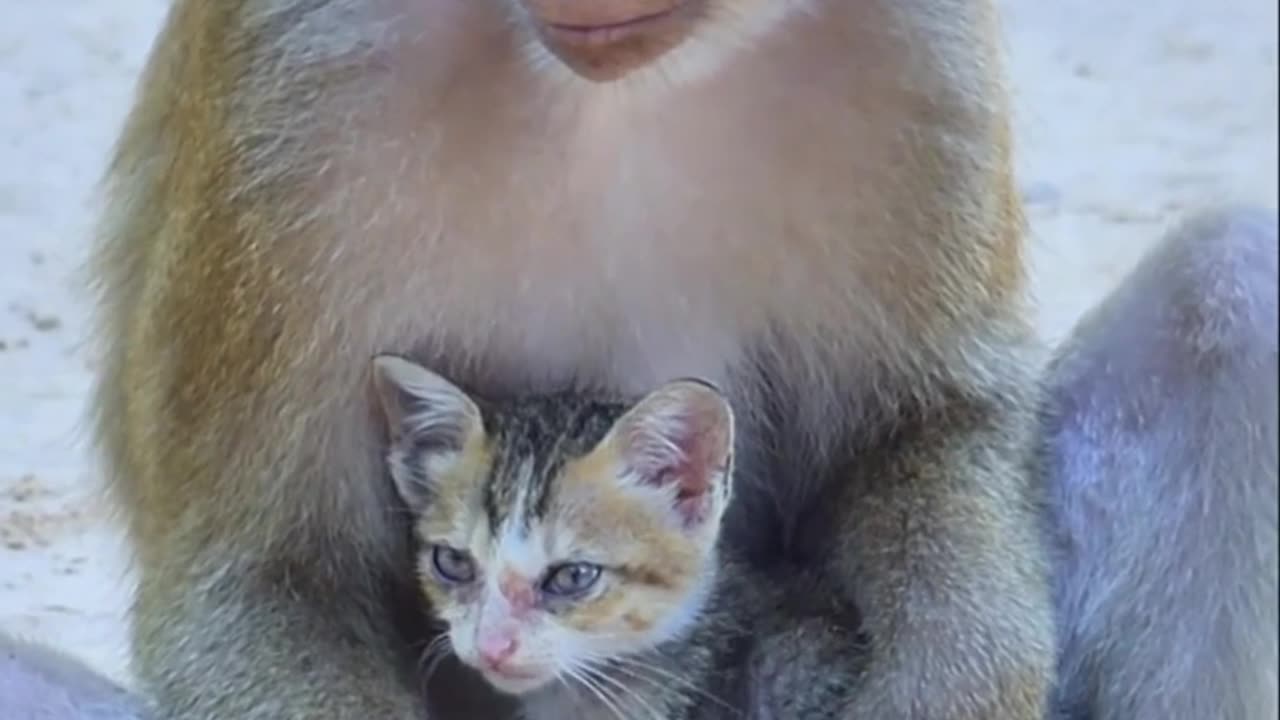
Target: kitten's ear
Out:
[427,417]
[422,407]
[680,437]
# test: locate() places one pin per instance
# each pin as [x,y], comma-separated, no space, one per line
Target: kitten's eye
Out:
[571,579]
[452,565]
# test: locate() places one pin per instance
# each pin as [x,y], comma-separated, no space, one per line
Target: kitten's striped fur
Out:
[521,487]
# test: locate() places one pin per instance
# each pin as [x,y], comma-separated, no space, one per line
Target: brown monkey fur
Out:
[809,202]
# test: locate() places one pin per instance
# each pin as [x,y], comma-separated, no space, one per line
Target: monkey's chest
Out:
[556,313]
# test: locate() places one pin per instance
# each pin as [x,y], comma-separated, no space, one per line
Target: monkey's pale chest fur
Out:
[624,235]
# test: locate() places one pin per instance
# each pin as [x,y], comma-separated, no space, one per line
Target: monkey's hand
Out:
[940,550]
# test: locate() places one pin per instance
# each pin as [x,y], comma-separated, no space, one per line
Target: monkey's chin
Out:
[608,51]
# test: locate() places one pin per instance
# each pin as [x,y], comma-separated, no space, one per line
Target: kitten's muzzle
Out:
[496,650]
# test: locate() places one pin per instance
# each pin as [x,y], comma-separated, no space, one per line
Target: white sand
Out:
[1129,113]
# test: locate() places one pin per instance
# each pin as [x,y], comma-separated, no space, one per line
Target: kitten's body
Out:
[542,471]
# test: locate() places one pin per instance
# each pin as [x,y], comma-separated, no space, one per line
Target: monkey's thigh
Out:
[1161,434]
[39,684]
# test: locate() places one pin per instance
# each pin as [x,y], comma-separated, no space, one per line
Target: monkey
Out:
[1193,324]
[527,194]
[39,683]
[810,203]
[1160,435]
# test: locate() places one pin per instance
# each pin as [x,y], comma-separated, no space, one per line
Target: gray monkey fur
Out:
[1160,450]
[37,683]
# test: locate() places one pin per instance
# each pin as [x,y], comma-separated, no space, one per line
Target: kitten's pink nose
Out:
[496,649]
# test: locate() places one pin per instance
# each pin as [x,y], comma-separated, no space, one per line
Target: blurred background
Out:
[1128,116]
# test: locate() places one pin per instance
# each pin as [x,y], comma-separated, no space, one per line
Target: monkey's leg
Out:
[1162,444]
[37,683]
[938,547]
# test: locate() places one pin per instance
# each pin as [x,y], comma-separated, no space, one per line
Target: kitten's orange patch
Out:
[518,590]
[659,578]
[637,621]
[435,594]
[653,551]
[452,514]
[598,614]
[655,562]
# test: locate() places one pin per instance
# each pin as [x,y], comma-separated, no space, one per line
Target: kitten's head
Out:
[558,531]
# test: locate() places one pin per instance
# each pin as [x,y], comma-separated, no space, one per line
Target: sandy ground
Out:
[1128,114]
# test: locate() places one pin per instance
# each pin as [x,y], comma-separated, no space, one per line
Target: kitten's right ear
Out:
[429,421]
[680,437]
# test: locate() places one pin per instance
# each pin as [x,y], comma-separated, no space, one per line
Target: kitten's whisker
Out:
[435,653]
[602,692]
[633,672]
[435,665]
[431,649]
[634,666]
[623,689]
[594,688]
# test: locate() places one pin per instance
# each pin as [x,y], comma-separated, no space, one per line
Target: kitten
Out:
[570,543]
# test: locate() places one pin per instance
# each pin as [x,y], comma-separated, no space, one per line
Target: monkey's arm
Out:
[39,683]
[1161,440]
[942,553]
[227,649]
[265,543]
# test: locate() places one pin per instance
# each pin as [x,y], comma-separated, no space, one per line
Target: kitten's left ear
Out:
[421,406]
[681,437]
[429,421]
